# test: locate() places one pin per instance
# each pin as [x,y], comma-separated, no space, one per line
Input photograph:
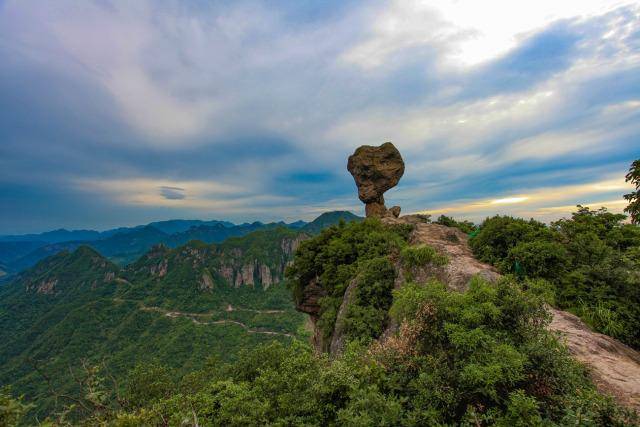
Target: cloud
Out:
[543,203]
[252,107]
[172,193]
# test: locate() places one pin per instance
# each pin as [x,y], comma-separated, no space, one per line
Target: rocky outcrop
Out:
[46,287]
[206,282]
[614,367]
[290,245]
[265,277]
[376,170]
[309,302]
[160,269]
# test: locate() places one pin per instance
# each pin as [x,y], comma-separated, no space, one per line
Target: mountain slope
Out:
[178,306]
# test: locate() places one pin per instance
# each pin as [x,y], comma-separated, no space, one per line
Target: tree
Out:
[633,177]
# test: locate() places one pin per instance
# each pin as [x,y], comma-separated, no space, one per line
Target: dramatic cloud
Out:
[119,112]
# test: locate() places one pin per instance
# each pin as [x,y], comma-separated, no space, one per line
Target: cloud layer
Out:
[115,112]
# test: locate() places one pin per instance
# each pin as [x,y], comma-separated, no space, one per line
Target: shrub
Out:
[420,256]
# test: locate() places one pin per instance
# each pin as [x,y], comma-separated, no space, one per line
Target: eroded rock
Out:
[376,170]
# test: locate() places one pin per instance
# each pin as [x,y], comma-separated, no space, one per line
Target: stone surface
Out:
[395,211]
[375,170]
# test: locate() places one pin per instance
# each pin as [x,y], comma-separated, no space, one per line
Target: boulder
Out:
[376,170]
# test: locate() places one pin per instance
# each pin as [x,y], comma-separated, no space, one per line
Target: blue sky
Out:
[120,113]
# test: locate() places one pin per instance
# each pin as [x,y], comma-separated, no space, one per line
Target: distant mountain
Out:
[12,250]
[297,224]
[126,244]
[40,253]
[181,225]
[329,218]
[178,306]
[55,236]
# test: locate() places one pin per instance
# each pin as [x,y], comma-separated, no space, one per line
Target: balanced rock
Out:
[375,170]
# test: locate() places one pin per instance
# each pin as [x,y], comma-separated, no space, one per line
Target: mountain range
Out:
[126,244]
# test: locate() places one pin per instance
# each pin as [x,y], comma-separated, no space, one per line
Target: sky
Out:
[117,113]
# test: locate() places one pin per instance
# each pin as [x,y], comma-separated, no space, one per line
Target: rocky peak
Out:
[376,170]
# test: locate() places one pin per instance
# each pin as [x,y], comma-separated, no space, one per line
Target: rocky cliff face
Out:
[240,262]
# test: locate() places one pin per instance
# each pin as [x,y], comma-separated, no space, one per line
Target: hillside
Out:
[179,307]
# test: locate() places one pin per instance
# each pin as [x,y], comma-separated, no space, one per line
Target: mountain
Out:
[55,236]
[329,218]
[126,244]
[297,224]
[180,225]
[12,250]
[177,306]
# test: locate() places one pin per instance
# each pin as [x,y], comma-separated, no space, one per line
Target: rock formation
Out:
[376,170]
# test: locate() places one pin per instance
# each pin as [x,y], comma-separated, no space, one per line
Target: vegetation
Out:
[358,252]
[633,209]
[464,226]
[418,256]
[590,262]
[78,312]
[482,357]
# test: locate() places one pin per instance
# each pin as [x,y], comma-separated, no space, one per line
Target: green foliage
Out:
[633,209]
[147,383]
[420,256]
[590,263]
[335,258]
[464,226]
[501,233]
[538,258]
[482,357]
[12,410]
[367,313]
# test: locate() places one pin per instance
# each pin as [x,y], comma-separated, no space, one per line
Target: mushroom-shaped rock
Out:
[375,170]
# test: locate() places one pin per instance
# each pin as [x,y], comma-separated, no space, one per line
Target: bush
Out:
[590,261]
[464,226]
[420,256]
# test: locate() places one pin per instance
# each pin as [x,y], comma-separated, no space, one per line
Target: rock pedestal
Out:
[375,170]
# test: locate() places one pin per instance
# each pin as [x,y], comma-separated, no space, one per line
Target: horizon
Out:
[118,114]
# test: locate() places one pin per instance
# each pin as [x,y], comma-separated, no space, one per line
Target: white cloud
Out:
[545,203]
[468,32]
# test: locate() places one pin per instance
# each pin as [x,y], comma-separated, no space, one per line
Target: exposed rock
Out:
[290,245]
[206,282]
[265,277]
[395,211]
[160,269]
[338,337]
[226,271]
[614,367]
[375,170]
[309,302]
[47,287]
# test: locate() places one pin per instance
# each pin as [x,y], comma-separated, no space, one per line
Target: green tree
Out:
[633,209]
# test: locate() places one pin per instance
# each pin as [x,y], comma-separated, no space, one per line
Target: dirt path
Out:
[200,318]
